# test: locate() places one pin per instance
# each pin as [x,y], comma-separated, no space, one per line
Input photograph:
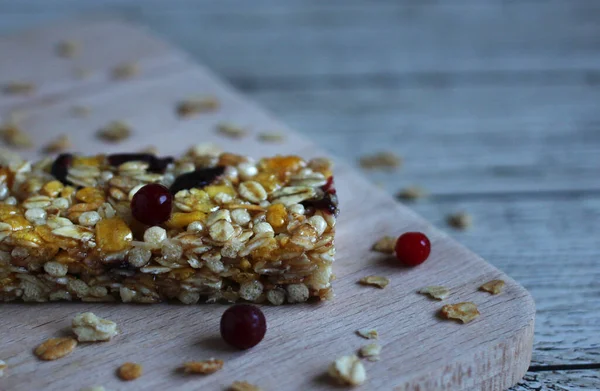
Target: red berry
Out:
[152,204]
[412,248]
[243,326]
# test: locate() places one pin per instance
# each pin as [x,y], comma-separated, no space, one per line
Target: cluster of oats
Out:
[262,231]
[193,106]
[205,367]
[381,160]
[376,281]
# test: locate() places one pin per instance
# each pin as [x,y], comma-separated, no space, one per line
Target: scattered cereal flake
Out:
[385,160]
[130,371]
[151,149]
[271,137]
[15,137]
[2,367]
[231,130]
[464,312]
[435,291]
[494,287]
[115,131]
[80,111]
[243,386]
[368,333]
[61,143]
[348,370]
[15,116]
[385,245]
[205,367]
[378,281]
[192,106]
[55,348]
[67,49]
[93,388]
[125,71]
[204,149]
[371,351]
[19,88]
[460,220]
[89,328]
[412,193]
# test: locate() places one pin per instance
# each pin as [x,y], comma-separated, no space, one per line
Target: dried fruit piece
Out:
[152,204]
[231,130]
[15,137]
[125,71]
[243,326]
[464,312]
[55,348]
[115,131]
[371,351]
[460,220]
[385,245]
[368,333]
[205,367]
[348,370]
[193,106]
[67,49]
[378,281]
[412,193]
[435,291]
[18,87]
[59,144]
[243,386]
[413,248]
[130,371]
[90,328]
[494,287]
[271,137]
[196,179]
[384,160]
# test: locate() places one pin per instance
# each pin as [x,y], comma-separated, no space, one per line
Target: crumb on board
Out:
[2,367]
[377,281]
[368,333]
[93,388]
[14,136]
[494,287]
[67,48]
[371,352]
[271,137]
[130,371]
[460,220]
[205,367]
[115,131]
[243,386]
[197,105]
[435,291]
[18,88]
[125,70]
[55,348]
[348,370]
[385,245]
[82,73]
[381,160]
[59,144]
[90,328]
[465,312]
[412,193]
[231,130]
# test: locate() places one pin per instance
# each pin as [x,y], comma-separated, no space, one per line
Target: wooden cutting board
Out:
[420,350]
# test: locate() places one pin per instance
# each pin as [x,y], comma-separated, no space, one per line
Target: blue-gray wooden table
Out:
[494,106]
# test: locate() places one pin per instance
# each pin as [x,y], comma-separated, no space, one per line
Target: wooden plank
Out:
[491,353]
[246,41]
[458,139]
[546,246]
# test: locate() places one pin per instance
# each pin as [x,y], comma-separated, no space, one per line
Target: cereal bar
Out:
[138,228]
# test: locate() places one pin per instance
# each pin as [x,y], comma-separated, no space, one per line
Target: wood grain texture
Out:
[559,381]
[490,353]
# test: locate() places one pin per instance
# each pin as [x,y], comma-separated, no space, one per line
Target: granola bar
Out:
[261,231]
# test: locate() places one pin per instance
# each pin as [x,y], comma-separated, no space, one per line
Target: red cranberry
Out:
[152,204]
[412,248]
[243,326]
